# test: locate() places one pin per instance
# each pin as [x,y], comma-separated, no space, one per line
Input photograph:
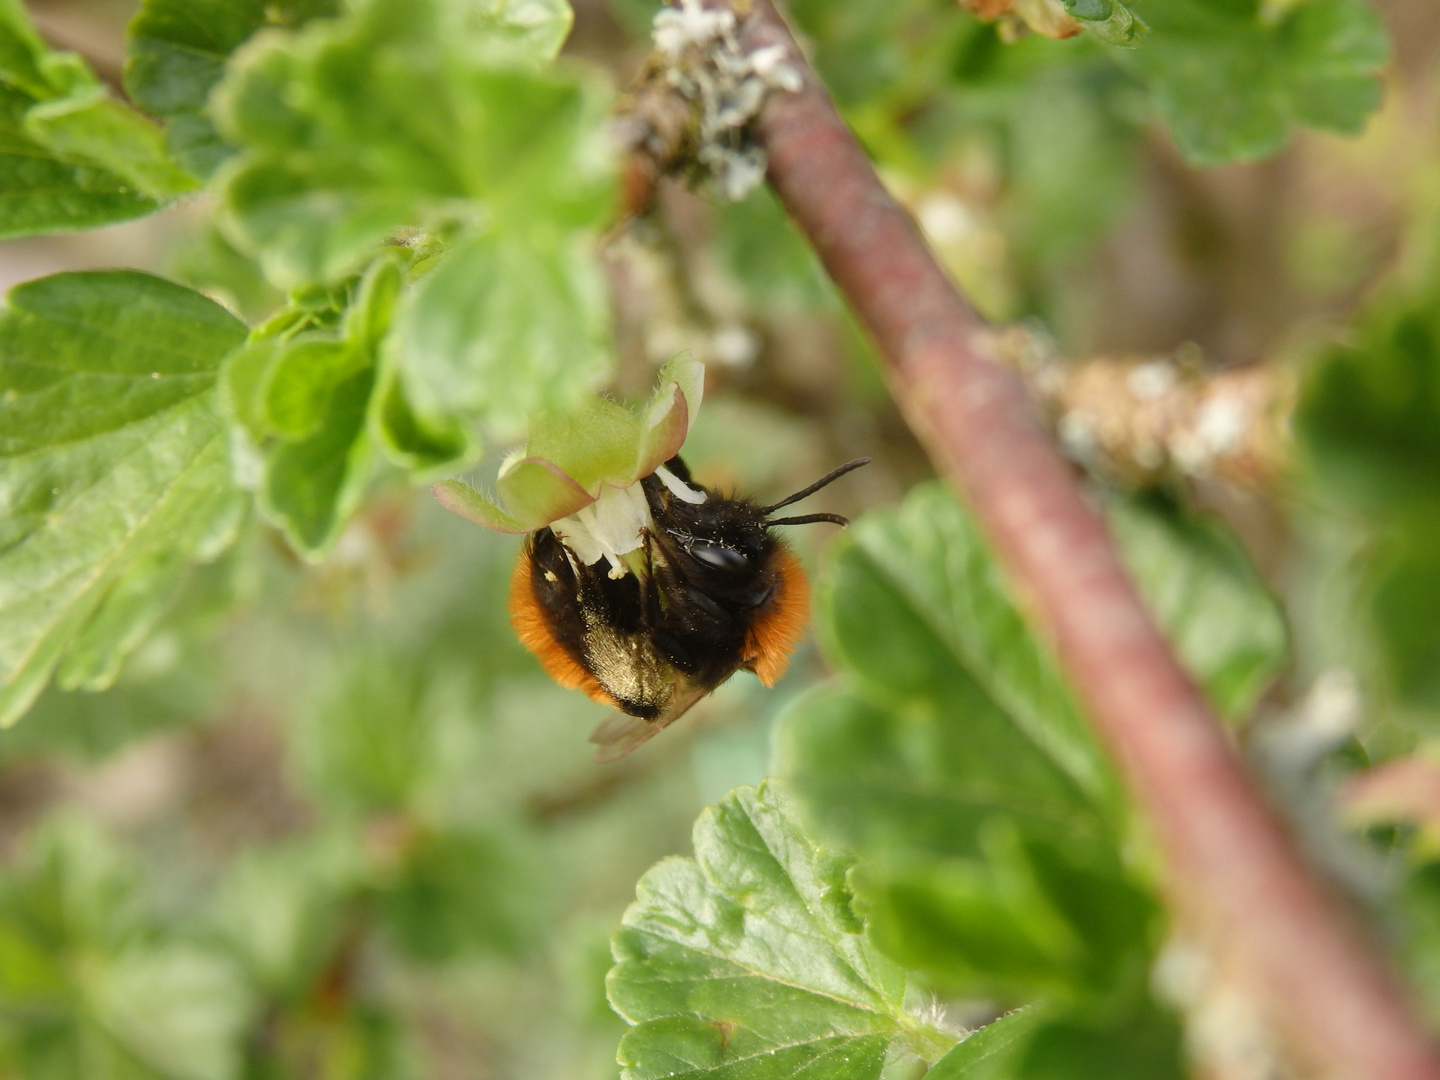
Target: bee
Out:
[707,590]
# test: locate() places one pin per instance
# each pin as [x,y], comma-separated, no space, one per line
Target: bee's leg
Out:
[652,613]
[671,648]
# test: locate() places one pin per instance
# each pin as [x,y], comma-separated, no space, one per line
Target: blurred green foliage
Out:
[1370,422]
[327,818]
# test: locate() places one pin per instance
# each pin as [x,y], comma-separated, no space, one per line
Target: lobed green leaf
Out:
[337,157]
[313,484]
[993,1052]
[1229,80]
[301,392]
[981,866]
[747,960]
[422,446]
[507,325]
[177,51]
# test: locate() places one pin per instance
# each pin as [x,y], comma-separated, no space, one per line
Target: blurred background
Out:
[334,822]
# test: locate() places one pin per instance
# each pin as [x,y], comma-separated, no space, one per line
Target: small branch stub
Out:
[693,109]
[1143,419]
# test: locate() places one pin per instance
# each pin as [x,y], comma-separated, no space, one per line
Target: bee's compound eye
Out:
[719,558]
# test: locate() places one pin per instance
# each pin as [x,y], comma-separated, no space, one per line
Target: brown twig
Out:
[1232,868]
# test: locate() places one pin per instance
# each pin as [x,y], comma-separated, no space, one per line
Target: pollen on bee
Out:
[778,627]
[532,625]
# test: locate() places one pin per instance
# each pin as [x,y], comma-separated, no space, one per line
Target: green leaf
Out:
[747,960]
[423,447]
[22,52]
[1227,628]
[243,380]
[993,1052]
[122,622]
[80,157]
[178,48]
[1045,1043]
[1369,427]
[300,381]
[301,392]
[91,125]
[303,230]
[955,764]
[44,191]
[112,455]
[931,567]
[972,871]
[313,485]
[177,51]
[337,157]
[1229,81]
[506,326]
[1369,416]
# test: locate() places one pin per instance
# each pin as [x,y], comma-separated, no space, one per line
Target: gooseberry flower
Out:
[580,472]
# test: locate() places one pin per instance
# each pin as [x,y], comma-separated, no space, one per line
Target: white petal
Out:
[678,487]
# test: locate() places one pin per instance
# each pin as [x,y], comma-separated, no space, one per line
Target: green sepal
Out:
[460,498]
[570,457]
[538,492]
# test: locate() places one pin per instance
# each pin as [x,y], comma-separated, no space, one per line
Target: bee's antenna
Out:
[806,519]
[828,478]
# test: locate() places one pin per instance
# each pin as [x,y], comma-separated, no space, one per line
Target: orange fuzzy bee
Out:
[709,590]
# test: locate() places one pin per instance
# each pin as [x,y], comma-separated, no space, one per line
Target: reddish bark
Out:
[1232,868]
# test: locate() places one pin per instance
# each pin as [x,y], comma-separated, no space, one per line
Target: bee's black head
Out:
[726,541]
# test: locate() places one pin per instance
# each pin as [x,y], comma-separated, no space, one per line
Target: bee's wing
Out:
[620,733]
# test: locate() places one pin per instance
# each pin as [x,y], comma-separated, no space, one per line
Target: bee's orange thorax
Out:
[778,627]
